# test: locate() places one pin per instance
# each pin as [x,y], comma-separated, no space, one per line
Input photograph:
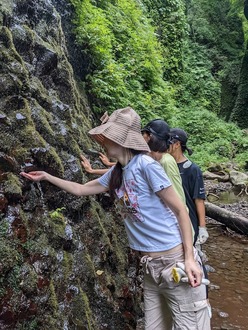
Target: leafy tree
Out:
[126,63]
[171,59]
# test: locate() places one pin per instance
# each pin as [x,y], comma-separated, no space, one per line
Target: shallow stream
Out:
[227,254]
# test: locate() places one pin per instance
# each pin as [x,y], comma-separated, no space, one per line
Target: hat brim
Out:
[119,134]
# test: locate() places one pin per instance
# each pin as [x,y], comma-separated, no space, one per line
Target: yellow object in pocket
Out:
[177,274]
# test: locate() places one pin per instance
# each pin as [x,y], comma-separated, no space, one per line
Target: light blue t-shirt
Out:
[150,225]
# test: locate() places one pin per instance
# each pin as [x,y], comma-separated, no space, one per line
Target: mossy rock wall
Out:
[64,261]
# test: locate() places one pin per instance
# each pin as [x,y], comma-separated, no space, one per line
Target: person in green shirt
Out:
[157,135]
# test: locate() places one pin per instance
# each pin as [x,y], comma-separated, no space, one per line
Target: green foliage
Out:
[171,29]
[212,139]
[199,87]
[125,57]
[177,60]
[237,8]
[214,24]
[213,48]
[239,112]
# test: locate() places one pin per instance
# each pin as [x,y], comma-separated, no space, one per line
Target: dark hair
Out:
[157,144]
[181,136]
[184,147]
[115,181]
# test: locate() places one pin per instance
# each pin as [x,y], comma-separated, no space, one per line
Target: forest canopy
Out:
[182,61]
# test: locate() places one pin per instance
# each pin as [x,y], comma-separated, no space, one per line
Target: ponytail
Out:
[184,147]
[115,180]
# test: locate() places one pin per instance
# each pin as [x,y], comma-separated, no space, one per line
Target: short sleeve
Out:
[199,189]
[104,179]
[156,177]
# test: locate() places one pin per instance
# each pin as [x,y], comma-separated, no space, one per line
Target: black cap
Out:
[159,128]
[180,135]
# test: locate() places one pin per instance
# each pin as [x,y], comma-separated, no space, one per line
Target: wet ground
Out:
[227,252]
[228,292]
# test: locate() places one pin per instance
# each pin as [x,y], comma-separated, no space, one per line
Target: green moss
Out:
[6,38]
[10,143]
[50,318]
[108,227]
[67,264]
[82,312]
[53,302]
[21,105]
[39,92]
[9,255]
[120,252]
[57,214]
[12,186]
[42,120]
[30,137]
[46,156]
[8,55]
[54,161]
[90,264]
[6,7]
[4,226]
[39,245]
[98,214]
[13,278]
[30,34]
[73,145]
[57,223]
[29,278]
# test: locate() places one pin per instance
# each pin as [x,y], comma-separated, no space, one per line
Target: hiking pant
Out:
[169,305]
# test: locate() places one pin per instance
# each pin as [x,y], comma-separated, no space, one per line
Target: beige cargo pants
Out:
[169,305]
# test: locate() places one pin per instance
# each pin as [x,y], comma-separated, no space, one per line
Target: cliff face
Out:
[240,110]
[63,260]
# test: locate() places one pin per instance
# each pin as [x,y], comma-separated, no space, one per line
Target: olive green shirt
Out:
[171,169]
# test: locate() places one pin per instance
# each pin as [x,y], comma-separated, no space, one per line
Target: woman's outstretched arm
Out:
[90,188]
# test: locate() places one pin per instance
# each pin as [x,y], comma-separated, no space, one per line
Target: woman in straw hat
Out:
[157,135]
[156,221]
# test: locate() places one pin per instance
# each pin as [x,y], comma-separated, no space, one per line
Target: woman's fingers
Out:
[86,164]
[34,176]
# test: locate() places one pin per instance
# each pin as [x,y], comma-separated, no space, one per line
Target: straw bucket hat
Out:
[124,128]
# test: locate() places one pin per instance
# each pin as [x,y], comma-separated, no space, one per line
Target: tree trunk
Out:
[232,220]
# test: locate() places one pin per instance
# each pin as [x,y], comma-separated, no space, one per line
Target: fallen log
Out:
[232,220]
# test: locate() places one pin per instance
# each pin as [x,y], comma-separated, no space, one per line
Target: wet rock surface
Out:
[63,260]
